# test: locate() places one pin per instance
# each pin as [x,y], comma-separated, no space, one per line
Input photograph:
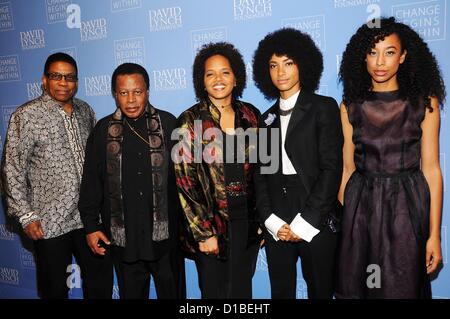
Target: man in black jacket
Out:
[128,200]
[296,202]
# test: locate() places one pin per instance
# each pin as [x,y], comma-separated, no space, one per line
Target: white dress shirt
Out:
[286,105]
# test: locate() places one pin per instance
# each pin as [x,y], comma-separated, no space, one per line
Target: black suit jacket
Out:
[94,204]
[313,144]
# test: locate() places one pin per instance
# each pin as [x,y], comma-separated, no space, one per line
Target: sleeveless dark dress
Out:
[386,205]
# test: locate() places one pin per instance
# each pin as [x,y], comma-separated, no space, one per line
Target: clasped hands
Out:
[209,246]
[285,233]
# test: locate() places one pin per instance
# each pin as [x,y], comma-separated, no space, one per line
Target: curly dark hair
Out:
[233,56]
[418,76]
[297,46]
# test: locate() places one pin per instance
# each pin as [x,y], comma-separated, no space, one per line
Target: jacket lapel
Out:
[301,107]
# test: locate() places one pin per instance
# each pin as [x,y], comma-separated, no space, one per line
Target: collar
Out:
[214,111]
[289,103]
[49,101]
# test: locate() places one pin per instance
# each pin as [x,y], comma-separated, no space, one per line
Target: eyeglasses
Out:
[58,76]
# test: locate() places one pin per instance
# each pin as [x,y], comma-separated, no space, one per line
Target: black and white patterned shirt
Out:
[42,168]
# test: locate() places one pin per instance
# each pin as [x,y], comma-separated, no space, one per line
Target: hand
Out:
[294,238]
[93,240]
[209,246]
[286,234]
[433,254]
[283,232]
[34,230]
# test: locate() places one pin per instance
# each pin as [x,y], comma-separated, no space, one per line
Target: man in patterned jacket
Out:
[42,169]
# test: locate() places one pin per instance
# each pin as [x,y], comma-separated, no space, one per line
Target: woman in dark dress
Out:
[215,175]
[392,183]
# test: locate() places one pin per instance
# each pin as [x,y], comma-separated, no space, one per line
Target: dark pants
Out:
[231,278]
[318,258]
[318,266]
[54,255]
[134,278]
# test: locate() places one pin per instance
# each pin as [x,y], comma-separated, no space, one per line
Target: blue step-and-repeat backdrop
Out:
[164,36]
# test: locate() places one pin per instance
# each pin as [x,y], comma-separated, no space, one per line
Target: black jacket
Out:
[94,203]
[313,144]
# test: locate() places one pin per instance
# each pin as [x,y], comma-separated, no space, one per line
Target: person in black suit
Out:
[128,199]
[297,184]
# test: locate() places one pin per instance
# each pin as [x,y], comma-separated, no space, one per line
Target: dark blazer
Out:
[313,144]
[94,205]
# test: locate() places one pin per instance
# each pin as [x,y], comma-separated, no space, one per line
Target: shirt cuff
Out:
[273,225]
[28,218]
[303,229]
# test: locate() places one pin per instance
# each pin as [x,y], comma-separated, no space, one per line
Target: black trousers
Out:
[54,255]
[318,258]
[318,266]
[134,278]
[231,278]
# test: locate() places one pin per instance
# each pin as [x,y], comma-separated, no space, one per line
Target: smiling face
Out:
[219,80]
[383,62]
[131,94]
[60,90]
[285,75]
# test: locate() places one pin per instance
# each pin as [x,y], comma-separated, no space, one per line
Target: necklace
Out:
[137,134]
[285,112]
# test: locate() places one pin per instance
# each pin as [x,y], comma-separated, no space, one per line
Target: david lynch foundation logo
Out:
[93,29]
[252,9]
[6,17]
[302,289]
[6,111]
[203,36]
[122,5]
[56,10]
[314,26]
[169,79]
[261,263]
[34,90]
[165,19]
[9,68]
[5,233]
[72,51]
[9,276]
[26,259]
[32,39]
[115,292]
[130,50]
[97,85]
[428,18]
[352,3]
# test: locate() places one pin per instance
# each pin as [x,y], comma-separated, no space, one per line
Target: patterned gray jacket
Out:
[43,161]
